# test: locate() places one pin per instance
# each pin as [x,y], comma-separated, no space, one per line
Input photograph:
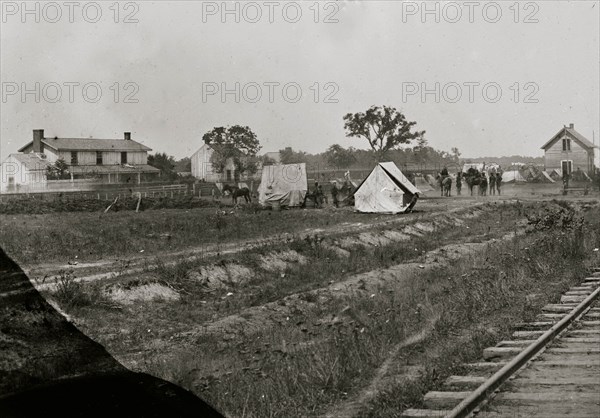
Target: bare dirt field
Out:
[309,312]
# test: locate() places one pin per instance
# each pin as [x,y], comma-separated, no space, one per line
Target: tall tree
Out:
[165,163]
[184,165]
[383,127]
[237,143]
[339,157]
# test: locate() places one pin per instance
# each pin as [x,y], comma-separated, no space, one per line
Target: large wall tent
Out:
[283,184]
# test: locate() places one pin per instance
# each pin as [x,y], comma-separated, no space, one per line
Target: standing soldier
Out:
[316,194]
[334,194]
[483,185]
[498,181]
[493,183]
[320,195]
[565,180]
[458,182]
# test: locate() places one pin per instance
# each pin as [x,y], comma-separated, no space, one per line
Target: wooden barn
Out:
[568,151]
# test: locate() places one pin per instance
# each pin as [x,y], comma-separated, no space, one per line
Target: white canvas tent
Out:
[385,190]
[513,176]
[283,184]
[547,177]
[555,174]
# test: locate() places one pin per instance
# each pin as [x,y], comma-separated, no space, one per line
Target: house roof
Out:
[91,144]
[116,168]
[580,138]
[31,161]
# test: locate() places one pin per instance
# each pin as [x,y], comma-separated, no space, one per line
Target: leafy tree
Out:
[289,156]
[340,157]
[383,127]
[237,143]
[58,171]
[184,165]
[165,163]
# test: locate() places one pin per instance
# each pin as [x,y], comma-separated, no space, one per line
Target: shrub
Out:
[70,293]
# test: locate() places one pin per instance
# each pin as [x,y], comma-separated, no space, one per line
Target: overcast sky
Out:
[538,62]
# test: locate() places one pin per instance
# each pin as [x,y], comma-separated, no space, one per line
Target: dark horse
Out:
[473,178]
[237,192]
[445,183]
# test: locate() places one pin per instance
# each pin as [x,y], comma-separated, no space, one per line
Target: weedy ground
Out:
[304,338]
[89,236]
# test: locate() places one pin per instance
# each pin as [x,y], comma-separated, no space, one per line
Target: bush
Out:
[69,293]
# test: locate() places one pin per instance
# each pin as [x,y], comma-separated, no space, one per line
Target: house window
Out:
[73,157]
[98,157]
[124,157]
[566,143]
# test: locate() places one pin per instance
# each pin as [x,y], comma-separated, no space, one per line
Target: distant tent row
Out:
[513,176]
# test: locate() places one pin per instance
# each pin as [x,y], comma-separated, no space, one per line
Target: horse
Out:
[237,192]
[445,183]
[317,198]
[473,178]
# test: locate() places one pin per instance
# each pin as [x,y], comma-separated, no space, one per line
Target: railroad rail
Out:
[550,369]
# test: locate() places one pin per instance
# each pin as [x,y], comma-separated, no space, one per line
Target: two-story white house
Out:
[103,160]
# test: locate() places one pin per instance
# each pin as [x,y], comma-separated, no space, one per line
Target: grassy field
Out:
[88,236]
[334,313]
[305,338]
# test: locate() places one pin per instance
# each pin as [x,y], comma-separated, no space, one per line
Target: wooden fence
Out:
[171,190]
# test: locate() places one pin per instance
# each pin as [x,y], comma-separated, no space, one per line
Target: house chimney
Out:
[127,136]
[38,135]
[571,125]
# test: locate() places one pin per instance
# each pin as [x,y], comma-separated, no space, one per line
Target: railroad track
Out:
[551,367]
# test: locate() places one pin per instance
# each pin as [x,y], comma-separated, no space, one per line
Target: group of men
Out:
[491,180]
[320,198]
